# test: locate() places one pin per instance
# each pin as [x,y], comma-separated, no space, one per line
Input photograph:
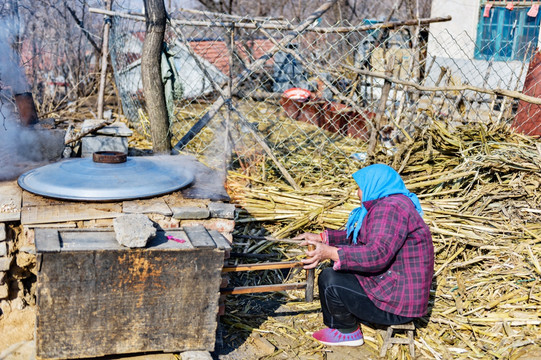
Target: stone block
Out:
[222,210]
[2,232]
[5,263]
[195,355]
[134,230]
[222,225]
[4,291]
[117,128]
[3,277]
[91,144]
[3,248]
[190,212]
[164,222]
[5,307]
[25,260]
[29,249]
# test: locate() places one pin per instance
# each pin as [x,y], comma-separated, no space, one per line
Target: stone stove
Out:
[67,238]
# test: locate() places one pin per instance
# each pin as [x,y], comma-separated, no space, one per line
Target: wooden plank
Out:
[263,266]
[10,201]
[68,225]
[47,240]
[105,239]
[199,236]
[310,280]
[102,302]
[69,212]
[146,206]
[261,288]
[30,199]
[221,242]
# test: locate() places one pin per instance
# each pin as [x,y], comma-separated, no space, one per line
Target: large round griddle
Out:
[106,176]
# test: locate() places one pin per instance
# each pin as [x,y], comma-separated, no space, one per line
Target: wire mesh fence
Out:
[315,101]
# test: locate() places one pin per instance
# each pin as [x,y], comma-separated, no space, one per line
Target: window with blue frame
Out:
[506,34]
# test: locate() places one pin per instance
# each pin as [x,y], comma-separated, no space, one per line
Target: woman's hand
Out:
[308,236]
[321,252]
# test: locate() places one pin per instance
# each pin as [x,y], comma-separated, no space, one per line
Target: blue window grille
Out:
[506,34]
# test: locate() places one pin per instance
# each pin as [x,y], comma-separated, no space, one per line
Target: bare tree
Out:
[151,74]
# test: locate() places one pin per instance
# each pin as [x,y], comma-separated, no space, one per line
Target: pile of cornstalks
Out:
[479,188]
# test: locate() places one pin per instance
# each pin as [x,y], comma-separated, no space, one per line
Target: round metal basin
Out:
[86,179]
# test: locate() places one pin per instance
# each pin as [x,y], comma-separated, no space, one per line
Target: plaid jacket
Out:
[393,258]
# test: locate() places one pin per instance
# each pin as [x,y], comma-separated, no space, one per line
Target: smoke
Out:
[11,73]
[21,148]
[208,183]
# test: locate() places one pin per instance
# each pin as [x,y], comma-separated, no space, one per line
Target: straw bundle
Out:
[479,187]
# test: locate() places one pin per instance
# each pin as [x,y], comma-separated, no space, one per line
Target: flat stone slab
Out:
[195,355]
[222,210]
[118,128]
[10,201]
[190,212]
[91,144]
[151,206]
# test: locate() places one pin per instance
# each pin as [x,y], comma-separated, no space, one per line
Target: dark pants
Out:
[345,304]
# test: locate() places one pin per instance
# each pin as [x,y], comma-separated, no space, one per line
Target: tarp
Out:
[528,118]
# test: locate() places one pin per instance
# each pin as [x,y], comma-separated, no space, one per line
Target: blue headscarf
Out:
[377,181]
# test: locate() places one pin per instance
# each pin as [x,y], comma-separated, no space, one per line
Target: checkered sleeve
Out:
[336,237]
[386,227]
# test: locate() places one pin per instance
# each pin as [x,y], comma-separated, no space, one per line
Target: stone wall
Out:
[17,268]
[23,212]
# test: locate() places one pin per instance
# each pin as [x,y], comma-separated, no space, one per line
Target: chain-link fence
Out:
[317,99]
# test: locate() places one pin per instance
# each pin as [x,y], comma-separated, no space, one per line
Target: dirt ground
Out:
[234,341]
[17,333]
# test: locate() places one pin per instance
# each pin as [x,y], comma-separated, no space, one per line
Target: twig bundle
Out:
[479,188]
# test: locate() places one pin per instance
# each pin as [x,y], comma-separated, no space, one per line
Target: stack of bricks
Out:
[11,275]
[5,263]
[22,212]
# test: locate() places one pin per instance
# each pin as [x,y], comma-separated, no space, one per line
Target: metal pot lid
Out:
[110,176]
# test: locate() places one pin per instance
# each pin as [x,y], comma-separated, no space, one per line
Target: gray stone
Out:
[29,249]
[2,232]
[5,307]
[91,144]
[222,210]
[190,212]
[3,248]
[134,230]
[5,263]
[117,128]
[18,304]
[4,291]
[195,355]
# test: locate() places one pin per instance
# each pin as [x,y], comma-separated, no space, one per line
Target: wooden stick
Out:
[378,123]
[253,256]
[248,71]
[104,57]
[310,280]
[327,83]
[502,92]
[262,266]
[342,29]
[88,131]
[268,238]
[261,288]
[225,97]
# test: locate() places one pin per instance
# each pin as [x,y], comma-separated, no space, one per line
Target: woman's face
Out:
[360,195]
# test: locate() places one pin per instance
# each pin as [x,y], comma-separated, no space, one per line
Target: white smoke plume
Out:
[21,148]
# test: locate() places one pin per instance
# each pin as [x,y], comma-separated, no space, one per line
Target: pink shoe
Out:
[330,336]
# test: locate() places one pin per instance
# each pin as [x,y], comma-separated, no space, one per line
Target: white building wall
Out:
[452,45]
[462,26]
